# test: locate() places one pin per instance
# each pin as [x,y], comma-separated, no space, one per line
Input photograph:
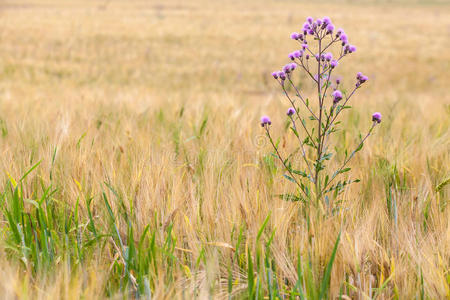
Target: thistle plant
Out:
[321,50]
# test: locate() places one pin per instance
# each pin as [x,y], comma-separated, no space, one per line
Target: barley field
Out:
[133,164]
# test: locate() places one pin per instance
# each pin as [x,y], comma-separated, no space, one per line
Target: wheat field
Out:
[133,164]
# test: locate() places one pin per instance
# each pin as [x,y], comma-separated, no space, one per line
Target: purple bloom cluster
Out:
[361,79]
[289,68]
[328,46]
[321,29]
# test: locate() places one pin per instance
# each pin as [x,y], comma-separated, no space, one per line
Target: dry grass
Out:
[119,91]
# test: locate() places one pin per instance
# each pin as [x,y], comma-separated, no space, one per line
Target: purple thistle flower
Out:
[304,46]
[337,96]
[344,38]
[327,20]
[287,68]
[306,26]
[318,22]
[275,74]
[339,32]
[309,20]
[293,66]
[290,111]
[295,35]
[297,53]
[311,32]
[282,75]
[265,120]
[328,56]
[352,49]
[291,55]
[376,117]
[361,78]
[330,28]
[333,63]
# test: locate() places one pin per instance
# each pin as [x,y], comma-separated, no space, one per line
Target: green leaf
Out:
[289,178]
[299,172]
[290,197]
[327,274]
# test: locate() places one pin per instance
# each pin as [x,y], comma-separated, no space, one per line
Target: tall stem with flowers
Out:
[314,124]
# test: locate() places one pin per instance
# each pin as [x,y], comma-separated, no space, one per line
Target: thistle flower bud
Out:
[361,78]
[376,117]
[333,64]
[295,35]
[290,111]
[346,49]
[330,28]
[306,26]
[307,56]
[297,53]
[292,66]
[265,120]
[304,46]
[338,81]
[337,96]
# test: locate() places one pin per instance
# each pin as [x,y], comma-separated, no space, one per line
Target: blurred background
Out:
[162,100]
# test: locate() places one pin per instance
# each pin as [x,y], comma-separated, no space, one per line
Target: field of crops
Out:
[133,164]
